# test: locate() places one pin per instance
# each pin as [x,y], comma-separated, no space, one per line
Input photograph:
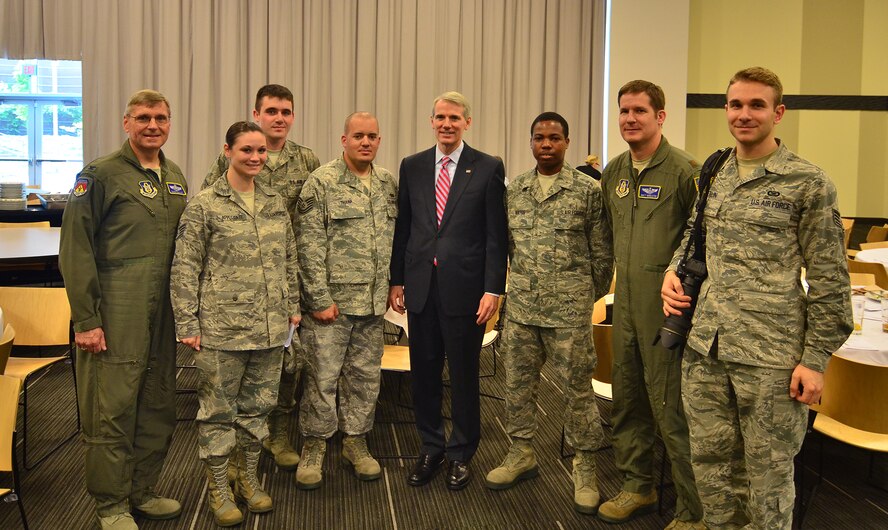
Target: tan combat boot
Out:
[520,464]
[247,487]
[354,450]
[232,465]
[627,505]
[310,473]
[122,520]
[220,499]
[586,498]
[278,442]
[153,506]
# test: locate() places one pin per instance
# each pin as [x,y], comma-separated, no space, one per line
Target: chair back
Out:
[855,394]
[861,278]
[877,233]
[847,225]
[602,338]
[6,346]
[9,399]
[41,316]
[33,224]
[599,311]
[876,269]
[877,244]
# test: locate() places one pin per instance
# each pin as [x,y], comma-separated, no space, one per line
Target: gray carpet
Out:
[55,497]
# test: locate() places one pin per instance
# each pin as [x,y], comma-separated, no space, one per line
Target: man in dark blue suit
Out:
[448,270]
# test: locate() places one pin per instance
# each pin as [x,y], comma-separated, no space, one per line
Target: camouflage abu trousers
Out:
[571,352]
[286,401]
[236,392]
[745,431]
[345,354]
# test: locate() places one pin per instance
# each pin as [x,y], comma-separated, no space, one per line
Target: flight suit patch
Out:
[147,189]
[649,192]
[174,188]
[622,188]
[81,187]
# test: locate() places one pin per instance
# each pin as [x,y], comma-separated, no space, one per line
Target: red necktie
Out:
[442,189]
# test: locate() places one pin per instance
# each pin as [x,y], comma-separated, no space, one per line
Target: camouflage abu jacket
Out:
[235,275]
[345,239]
[560,249]
[760,232]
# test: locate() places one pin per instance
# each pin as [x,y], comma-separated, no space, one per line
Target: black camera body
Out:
[674,332]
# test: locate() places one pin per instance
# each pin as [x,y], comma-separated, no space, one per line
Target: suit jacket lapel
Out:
[459,181]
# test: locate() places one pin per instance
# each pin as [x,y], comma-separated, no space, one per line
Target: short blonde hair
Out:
[758,74]
[147,97]
[457,99]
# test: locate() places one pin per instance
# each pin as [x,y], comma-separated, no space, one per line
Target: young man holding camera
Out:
[649,191]
[768,214]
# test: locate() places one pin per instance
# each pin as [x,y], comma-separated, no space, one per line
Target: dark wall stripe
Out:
[717,101]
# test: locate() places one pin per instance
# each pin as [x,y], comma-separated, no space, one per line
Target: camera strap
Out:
[712,166]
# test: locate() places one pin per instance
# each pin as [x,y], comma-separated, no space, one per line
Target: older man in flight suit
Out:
[115,254]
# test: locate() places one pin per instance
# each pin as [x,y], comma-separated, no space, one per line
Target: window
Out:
[41,123]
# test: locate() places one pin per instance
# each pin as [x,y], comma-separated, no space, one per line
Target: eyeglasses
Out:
[145,119]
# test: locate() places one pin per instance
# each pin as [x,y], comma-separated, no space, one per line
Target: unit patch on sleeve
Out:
[649,192]
[81,187]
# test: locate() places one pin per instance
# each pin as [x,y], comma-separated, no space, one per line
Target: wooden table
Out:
[29,244]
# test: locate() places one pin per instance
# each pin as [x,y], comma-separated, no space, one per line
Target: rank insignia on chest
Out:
[147,189]
[174,188]
[80,187]
[649,192]
[622,188]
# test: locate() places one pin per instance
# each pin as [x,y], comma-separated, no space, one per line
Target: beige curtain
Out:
[512,58]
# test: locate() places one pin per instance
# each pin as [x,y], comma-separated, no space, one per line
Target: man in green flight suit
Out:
[649,191]
[117,241]
[286,170]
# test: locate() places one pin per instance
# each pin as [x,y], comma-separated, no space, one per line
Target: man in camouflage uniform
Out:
[649,191]
[286,170]
[759,345]
[115,254]
[561,258]
[235,288]
[346,221]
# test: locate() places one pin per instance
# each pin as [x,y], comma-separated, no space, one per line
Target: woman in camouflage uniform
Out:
[234,291]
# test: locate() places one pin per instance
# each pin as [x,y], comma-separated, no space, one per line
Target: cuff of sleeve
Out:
[815,362]
[88,324]
[187,330]
[318,304]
